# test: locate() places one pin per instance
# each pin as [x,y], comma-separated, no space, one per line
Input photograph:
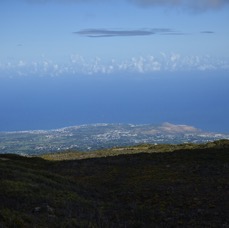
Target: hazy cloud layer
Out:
[191,4]
[78,65]
[207,32]
[197,5]
[137,32]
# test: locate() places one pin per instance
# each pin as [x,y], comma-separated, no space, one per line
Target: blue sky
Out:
[73,36]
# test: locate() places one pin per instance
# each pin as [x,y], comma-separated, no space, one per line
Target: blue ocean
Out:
[200,99]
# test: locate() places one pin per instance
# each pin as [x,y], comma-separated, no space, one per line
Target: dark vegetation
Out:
[136,187]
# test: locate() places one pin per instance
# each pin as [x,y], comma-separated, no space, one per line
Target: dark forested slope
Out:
[187,188]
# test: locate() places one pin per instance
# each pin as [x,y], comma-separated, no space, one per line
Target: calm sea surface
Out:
[200,99]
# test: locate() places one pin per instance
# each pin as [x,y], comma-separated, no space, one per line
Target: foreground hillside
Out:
[184,188]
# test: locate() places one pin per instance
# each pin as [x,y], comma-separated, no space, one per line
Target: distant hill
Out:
[140,186]
[142,148]
[101,136]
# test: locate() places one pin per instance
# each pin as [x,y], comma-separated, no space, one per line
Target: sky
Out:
[91,36]
[70,62]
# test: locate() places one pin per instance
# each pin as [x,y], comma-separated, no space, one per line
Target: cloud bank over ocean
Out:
[77,64]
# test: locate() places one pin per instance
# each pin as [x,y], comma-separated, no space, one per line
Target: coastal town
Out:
[101,136]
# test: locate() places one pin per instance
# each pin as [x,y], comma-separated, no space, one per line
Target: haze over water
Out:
[49,103]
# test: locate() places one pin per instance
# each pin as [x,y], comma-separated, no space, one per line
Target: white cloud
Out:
[21,63]
[143,64]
